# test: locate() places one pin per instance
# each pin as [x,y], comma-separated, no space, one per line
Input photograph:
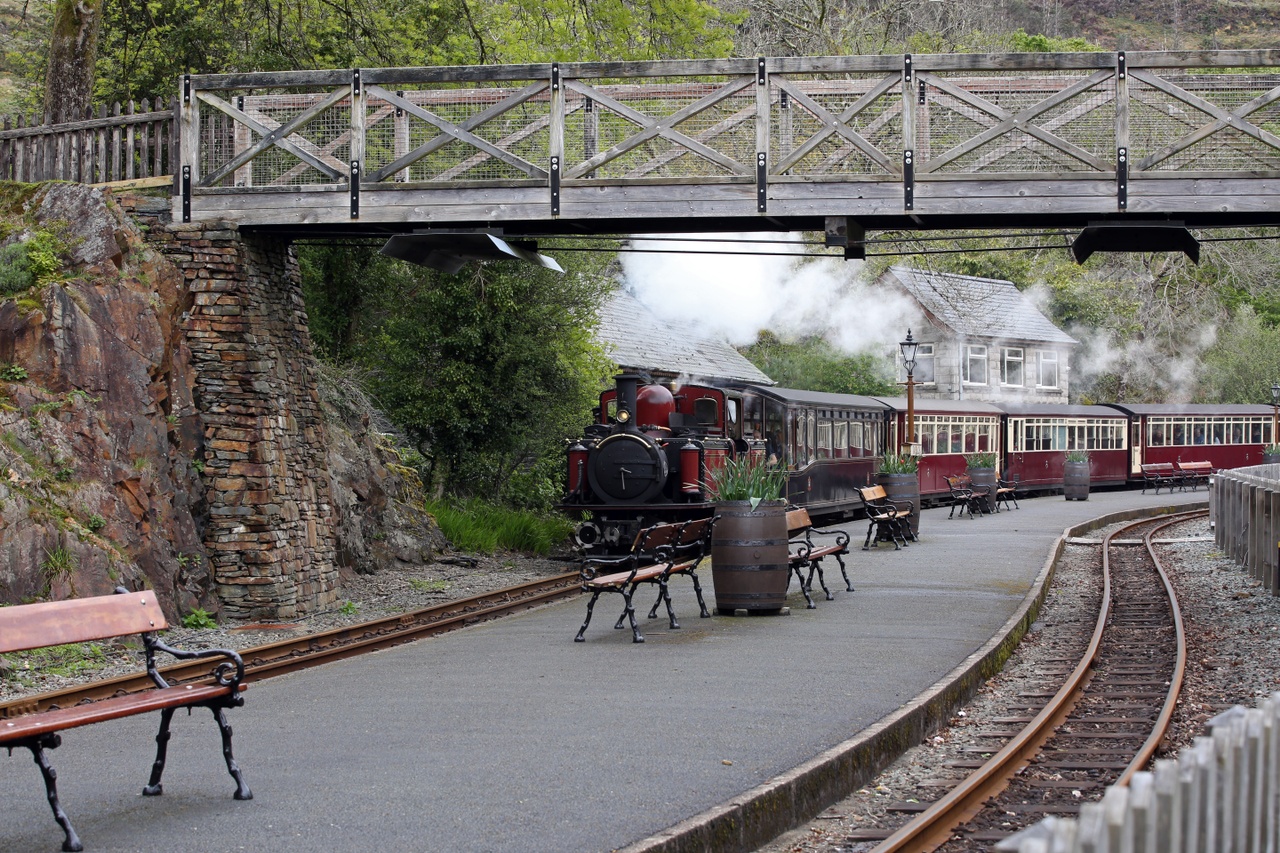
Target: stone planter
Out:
[985,477]
[903,487]
[749,565]
[1075,479]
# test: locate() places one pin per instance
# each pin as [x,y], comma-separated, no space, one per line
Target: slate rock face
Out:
[114,427]
[99,488]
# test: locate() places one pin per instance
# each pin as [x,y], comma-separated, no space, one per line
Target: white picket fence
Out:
[1220,795]
[1246,520]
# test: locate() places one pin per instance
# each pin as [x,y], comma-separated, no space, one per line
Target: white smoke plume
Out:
[735,296]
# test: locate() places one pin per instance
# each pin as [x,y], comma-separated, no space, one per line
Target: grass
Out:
[481,527]
[68,661]
[423,585]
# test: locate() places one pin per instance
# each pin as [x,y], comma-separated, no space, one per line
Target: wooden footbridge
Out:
[842,144]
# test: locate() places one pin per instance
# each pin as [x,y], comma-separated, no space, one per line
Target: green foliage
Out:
[1077,456]
[424,585]
[980,460]
[485,371]
[348,608]
[482,527]
[748,478]
[1243,361]
[67,661]
[813,364]
[1024,43]
[33,262]
[13,373]
[895,463]
[198,619]
[59,564]
[94,523]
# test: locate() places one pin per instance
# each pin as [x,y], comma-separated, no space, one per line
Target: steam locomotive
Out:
[652,450]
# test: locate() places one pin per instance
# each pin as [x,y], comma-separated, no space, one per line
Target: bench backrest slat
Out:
[798,519]
[54,623]
[873,493]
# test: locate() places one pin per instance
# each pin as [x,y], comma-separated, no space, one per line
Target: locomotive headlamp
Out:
[623,416]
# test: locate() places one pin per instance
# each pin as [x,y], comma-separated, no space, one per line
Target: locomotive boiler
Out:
[645,460]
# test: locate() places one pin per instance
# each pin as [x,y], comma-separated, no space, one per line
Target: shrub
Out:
[1077,456]
[482,527]
[198,619]
[980,460]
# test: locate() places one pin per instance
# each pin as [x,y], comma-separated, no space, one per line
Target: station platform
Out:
[509,736]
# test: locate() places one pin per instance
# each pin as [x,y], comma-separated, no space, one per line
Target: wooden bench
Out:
[805,551]
[890,518]
[1007,490]
[967,497]
[37,626]
[657,553]
[1160,475]
[1194,473]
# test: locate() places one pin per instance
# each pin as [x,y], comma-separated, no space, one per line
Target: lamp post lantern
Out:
[908,349]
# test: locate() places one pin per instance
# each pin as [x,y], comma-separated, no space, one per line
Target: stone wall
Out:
[255,413]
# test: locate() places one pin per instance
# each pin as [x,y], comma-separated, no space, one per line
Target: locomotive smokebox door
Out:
[628,467]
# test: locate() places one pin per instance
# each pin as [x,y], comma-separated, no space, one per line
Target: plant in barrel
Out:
[1075,475]
[899,475]
[749,552]
[981,468]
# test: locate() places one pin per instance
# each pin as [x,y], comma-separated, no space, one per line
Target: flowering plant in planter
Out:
[1077,456]
[895,463]
[749,479]
[980,460]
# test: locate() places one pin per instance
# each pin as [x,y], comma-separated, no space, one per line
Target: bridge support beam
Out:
[270,533]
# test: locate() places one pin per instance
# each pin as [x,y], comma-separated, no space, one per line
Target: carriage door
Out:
[1135,446]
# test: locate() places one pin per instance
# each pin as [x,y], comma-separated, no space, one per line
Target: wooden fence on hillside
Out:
[125,143]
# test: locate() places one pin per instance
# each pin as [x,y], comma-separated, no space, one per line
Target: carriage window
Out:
[1011,366]
[824,439]
[840,444]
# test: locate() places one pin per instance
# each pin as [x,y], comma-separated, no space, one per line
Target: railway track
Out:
[1102,724]
[291,655]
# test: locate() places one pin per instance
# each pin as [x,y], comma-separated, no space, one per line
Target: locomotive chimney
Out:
[626,403]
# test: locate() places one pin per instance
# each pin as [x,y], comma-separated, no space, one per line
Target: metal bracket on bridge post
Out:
[908,180]
[355,189]
[762,182]
[554,172]
[1122,178]
[186,193]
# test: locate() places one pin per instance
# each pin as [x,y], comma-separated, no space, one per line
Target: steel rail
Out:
[933,827]
[309,650]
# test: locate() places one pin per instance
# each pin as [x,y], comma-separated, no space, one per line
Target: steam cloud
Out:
[735,296]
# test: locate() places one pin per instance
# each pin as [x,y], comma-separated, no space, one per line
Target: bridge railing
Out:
[1246,520]
[131,142]
[887,130]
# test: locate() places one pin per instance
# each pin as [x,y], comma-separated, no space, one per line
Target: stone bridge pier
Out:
[271,522]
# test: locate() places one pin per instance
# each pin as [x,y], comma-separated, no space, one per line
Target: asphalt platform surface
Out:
[508,736]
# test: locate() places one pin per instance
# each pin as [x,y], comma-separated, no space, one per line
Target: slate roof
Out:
[636,338]
[977,307]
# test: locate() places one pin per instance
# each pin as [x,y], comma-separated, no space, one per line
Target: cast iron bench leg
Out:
[816,567]
[844,574]
[242,790]
[630,613]
[591,605]
[153,787]
[664,594]
[795,569]
[697,590]
[37,746]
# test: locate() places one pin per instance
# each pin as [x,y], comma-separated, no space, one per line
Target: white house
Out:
[982,339]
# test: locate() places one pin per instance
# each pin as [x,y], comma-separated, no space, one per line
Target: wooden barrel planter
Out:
[749,566]
[903,487]
[985,477]
[1075,479]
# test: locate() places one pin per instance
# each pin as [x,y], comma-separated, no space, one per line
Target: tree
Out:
[486,371]
[813,364]
[73,55]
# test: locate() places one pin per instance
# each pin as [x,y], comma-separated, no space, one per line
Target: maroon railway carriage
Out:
[830,443]
[947,430]
[1225,435]
[1037,437]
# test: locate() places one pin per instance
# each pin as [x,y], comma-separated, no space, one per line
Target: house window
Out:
[975,364]
[924,372]
[1011,366]
[1048,373]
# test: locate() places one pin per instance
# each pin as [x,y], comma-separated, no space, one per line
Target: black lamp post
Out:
[1275,413]
[908,349]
